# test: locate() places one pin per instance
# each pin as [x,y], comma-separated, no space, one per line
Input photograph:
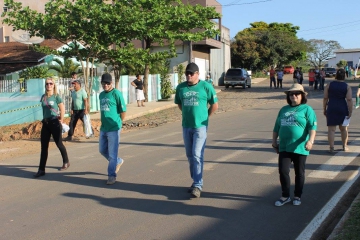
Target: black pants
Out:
[272,81]
[285,159]
[77,114]
[279,83]
[54,128]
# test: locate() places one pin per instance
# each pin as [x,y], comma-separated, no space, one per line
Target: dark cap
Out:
[192,67]
[76,81]
[106,77]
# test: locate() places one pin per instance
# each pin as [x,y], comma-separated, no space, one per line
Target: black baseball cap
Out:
[192,67]
[106,77]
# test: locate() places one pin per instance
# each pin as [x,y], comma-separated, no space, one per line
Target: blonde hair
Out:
[53,81]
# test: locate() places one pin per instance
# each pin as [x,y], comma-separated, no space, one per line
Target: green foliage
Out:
[263,45]
[181,73]
[342,63]
[35,72]
[64,69]
[165,84]
[259,74]
[321,50]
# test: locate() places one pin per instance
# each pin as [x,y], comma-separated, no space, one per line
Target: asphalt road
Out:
[150,199]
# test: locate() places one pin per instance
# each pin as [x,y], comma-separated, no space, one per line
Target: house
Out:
[17,56]
[352,56]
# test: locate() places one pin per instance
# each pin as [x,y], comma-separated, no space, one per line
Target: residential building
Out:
[352,56]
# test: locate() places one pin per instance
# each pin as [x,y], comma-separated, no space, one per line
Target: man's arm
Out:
[180,107]
[213,108]
[122,116]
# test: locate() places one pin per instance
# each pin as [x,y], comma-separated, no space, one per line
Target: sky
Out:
[317,19]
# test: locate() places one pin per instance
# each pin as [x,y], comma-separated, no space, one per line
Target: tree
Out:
[162,22]
[321,50]
[342,63]
[64,68]
[263,45]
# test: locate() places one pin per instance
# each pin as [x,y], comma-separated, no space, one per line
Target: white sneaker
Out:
[118,166]
[296,202]
[280,202]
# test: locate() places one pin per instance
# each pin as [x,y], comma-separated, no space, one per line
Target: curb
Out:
[340,224]
[150,111]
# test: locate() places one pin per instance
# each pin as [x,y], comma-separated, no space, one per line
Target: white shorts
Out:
[139,95]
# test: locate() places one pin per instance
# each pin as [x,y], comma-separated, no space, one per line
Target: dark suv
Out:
[237,77]
[330,72]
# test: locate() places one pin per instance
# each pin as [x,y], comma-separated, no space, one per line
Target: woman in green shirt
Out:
[295,127]
[53,111]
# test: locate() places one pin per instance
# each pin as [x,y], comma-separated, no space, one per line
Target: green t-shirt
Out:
[293,125]
[51,109]
[194,101]
[78,99]
[111,105]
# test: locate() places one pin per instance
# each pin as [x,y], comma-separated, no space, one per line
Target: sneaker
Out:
[118,166]
[111,180]
[196,192]
[296,202]
[68,138]
[281,202]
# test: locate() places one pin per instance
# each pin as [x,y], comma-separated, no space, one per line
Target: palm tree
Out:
[64,69]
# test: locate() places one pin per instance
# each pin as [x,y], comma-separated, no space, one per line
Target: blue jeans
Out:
[109,147]
[195,140]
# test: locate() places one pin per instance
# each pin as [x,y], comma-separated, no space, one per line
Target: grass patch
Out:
[351,227]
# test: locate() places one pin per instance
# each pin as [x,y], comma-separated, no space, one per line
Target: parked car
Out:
[237,77]
[288,69]
[330,72]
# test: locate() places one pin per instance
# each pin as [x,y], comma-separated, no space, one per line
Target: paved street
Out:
[150,199]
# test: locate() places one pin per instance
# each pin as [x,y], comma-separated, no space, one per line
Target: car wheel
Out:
[226,86]
[249,86]
[233,86]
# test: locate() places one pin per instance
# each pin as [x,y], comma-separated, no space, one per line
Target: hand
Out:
[308,145]
[347,117]
[71,112]
[325,112]
[276,147]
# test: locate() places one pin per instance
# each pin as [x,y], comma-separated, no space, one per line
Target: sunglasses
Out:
[294,93]
[105,83]
[49,83]
[190,73]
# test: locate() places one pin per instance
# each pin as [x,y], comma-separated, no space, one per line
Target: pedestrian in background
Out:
[337,105]
[112,113]
[301,76]
[295,126]
[139,90]
[272,77]
[357,103]
[193,98]
[73,78]
[317,78]
[296,75]
[311,79]
[279,75]
[322,79]
[209,80]
[53,116]
[79,107]
[347,71]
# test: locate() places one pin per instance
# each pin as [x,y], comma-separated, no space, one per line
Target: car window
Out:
[233,72]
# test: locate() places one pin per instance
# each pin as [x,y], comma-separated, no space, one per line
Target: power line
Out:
[332,29]
[328,26]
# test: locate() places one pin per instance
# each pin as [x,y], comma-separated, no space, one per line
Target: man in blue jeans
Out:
[112,112]
[193,97]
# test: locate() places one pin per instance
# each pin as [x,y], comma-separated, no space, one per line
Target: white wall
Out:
[349,56]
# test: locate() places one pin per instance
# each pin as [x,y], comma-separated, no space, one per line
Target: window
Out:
[5,8]
[6,39]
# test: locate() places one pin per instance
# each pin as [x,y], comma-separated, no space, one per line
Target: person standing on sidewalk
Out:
[272,77]
[295,126]
[301,75]
[280,75]
[322,79]
[139,86]
[53,111]
[112,114]
[192,98]
[79,107]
